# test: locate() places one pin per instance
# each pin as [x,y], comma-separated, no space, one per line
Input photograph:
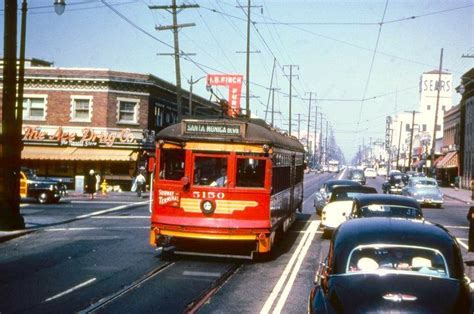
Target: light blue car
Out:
[425,191]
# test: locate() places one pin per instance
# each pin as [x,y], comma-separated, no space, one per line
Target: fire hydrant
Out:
[103,187]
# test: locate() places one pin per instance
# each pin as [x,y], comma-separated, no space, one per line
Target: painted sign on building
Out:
[80,137]
[429,83]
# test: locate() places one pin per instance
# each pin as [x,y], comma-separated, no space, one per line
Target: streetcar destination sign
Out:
[215,129]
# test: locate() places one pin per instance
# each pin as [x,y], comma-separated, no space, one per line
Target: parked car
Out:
[357,175]
[370,173]
[381,205]
[425,191]
[394,184]
[339,206]
[384,265]
[43,190]
[322,197]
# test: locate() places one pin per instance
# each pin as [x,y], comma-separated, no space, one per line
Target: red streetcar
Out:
[227,180]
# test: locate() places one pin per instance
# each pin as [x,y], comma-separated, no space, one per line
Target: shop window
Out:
[250,172]
[438,127]
[428,107]
[127,111]
[407,127]
[424,127]
[81,108]
[34,107]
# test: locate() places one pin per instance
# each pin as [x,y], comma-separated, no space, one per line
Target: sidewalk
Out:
[111,196]
[73,196]
[458,194]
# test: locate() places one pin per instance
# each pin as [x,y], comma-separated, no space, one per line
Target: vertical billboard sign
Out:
[234,83]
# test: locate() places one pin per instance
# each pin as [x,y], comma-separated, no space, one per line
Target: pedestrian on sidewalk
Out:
[470,218]
[91,182]
[140,181]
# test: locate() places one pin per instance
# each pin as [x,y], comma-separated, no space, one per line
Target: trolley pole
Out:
[315,133]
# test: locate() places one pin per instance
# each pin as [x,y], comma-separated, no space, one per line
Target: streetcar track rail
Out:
[103,302]
[197,303]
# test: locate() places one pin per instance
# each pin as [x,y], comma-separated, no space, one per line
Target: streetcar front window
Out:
[210,171]
[250,172]
[172,164]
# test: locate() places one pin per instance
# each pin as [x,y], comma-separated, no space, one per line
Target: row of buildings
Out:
[76,119]
[454,144]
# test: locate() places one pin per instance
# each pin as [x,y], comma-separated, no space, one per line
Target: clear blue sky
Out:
[333,45]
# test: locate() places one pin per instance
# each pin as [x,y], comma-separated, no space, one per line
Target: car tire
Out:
[439,206]
[43,197]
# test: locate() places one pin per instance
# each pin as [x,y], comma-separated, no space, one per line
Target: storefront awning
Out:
[77,154]
[450,160]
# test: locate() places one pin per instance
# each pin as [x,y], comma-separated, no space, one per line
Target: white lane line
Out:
[201,274]
[464,245]
[70,290]
[287,271]
[456,227]
[312,232]
[93,228]
[121,217]
[100,212]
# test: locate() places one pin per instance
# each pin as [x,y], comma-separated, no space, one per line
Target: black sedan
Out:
[322,197]
[386,265]
[394,184]
[381,205]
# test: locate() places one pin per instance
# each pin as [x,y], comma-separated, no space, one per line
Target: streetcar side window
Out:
[172,164]
[250,172]
[210,171]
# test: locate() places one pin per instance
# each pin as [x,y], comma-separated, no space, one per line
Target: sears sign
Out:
[430,83]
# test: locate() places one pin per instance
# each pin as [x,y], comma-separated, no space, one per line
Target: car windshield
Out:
[425,183]
[344,196]
[395,179]
[357,175]
[397,258]
[385,210]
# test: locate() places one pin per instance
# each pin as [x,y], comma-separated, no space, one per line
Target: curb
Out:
[14,234]
[457,199]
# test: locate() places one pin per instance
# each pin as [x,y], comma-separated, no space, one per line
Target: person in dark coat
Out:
[470,218]
[91,181]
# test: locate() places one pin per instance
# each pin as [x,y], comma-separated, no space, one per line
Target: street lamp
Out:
[191,83]
[59,6]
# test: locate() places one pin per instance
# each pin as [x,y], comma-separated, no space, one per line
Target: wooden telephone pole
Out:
[174,10]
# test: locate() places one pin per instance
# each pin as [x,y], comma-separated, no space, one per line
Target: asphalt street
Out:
[94,256]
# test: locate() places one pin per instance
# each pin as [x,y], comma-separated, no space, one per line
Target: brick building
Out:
[448,167]
[76,119]
[467,122]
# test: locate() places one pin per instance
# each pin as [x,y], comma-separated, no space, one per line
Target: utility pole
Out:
[411,136]
[174,10]
[315,133]
[326,143]
[309,121]
[433,145]
[399,142]
[10,139]
[289,104]
[299,125]
[321,140]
